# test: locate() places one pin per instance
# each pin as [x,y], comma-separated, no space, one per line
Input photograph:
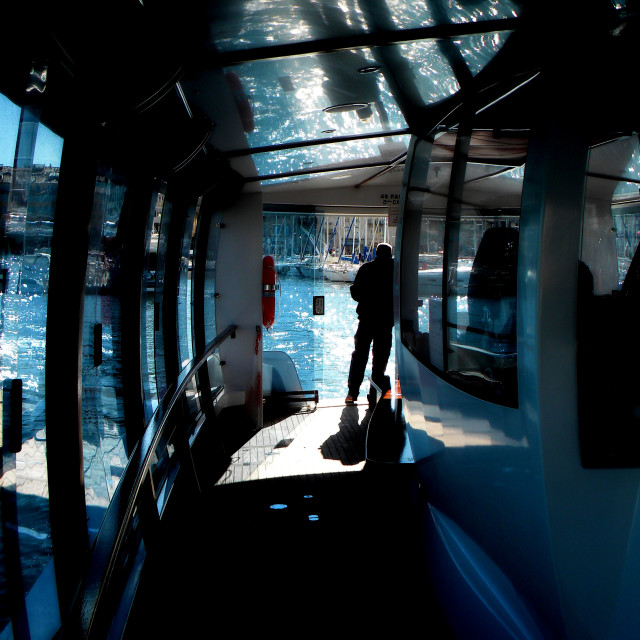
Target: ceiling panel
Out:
[244,24]
[337,155]
[303,72]
[314,97]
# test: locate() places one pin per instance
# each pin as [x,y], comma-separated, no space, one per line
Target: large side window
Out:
[149,313]
[103,433]
[185,333]
[609,306]
[209,308]
[160,244]
[184,303]
[459,263]
[30,156]
[422,254]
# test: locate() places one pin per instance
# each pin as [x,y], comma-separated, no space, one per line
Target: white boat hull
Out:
[340,274]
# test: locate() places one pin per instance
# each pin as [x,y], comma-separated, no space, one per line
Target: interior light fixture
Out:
[347,106]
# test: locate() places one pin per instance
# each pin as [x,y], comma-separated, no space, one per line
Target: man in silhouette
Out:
[372,289]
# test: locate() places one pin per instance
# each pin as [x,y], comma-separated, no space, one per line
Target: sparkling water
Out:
[321,345]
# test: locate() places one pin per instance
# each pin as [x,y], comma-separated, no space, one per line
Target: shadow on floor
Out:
[349,444]
[303,556]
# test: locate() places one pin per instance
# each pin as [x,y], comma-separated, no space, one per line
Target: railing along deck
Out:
[131,522]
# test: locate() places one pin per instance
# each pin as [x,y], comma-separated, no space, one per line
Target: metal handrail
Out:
[117,520]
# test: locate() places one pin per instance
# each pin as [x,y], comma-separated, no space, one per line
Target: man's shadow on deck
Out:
[349,444]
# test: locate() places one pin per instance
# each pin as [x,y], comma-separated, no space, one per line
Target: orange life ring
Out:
[269,288]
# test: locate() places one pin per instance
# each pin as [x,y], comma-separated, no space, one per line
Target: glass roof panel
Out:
[289,95]
[408,15]
[352,152]
[478,50]
[244,24]
[335,177]
[432,73]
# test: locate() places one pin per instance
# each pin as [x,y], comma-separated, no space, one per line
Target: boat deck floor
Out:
[301,537]
[315,440]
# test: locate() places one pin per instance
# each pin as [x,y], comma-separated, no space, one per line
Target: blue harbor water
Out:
[320,346]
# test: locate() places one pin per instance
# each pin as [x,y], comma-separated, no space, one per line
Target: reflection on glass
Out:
[289,97]
[254,23]
[431,71]
[482,265]
[461,240]
[258,23]
[612,204]
[422,251]
[148,309]
[627,226]
[608,306]
[478,11]
[103,433]
[184,303]
[30,158]
[210,328]
[430,273]
[298,244]
[164,222]
[478,50]
[367,151]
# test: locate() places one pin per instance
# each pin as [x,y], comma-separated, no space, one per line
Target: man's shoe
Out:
[349,400]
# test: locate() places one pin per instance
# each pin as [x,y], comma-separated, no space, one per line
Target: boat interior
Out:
[166,476]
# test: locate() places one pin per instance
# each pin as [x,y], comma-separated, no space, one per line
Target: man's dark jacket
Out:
[372,289]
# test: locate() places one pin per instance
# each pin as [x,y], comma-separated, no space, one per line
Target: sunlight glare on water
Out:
[320,346]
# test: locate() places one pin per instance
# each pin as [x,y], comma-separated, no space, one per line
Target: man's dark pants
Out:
[367,334]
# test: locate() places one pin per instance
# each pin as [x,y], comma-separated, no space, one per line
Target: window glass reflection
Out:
[478,11]
[158,333]
[482,265]
[431,71]
[184,302]
[185,305]
[478,50]
[608,306]
[103,432]
[262,23]
[610,227]
[289,97]
[259,23]
[337,176]
[148,314]
[422,255]
[307,158]
[459,263]
[29,161]
[210,327]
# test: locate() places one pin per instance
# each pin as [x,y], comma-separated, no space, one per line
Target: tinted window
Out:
[103,434]
[609,307]
[459,262]
[30,163]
